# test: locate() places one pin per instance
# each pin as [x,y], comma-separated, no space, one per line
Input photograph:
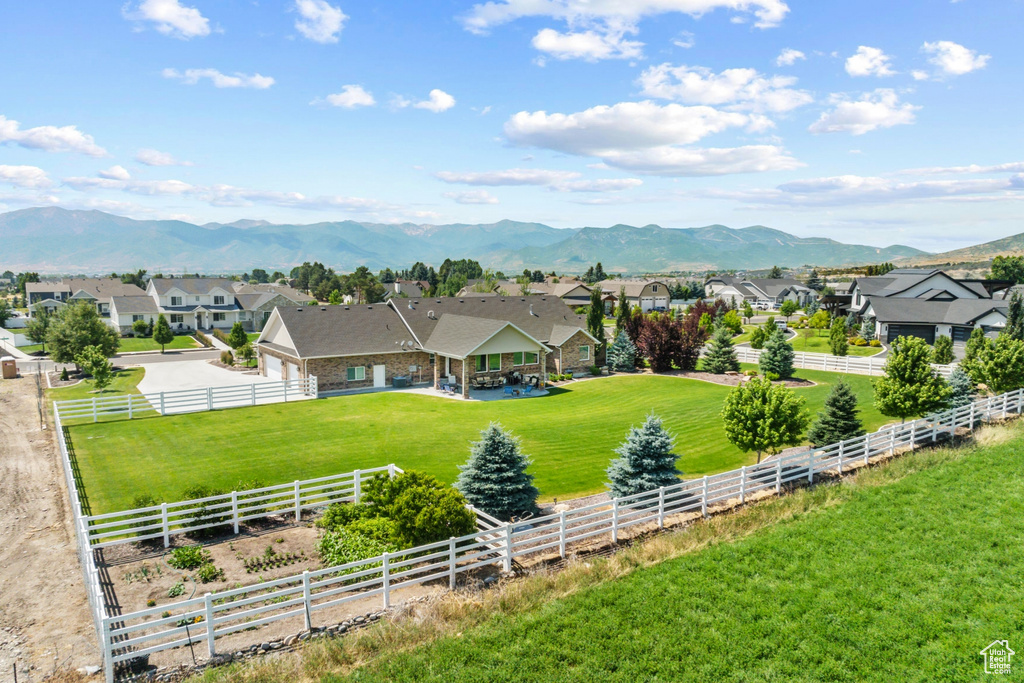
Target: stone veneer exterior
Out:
[566,358]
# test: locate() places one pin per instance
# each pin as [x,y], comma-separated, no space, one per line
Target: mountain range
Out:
[979,253]
[55,240]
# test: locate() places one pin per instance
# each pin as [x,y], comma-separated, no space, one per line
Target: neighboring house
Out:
[647,294]
[125,310]
[97,291]
[927,303]
[206,303]
[406,289]
[768,291]
[417,340]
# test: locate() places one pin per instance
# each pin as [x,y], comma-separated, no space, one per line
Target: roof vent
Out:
[410,305]
[323,308]
[369,308]
[531,310]
[430,314]
[298,310]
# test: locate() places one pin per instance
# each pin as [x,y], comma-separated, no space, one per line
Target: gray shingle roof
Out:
[633,287]
[100,288]
[125,305]
[460,335]
[326,331]
[192,285]
[921,311]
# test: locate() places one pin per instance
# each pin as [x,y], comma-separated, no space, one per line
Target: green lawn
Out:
[125,382]
[745,337]
[253,336]
[129,344]
[819,344]
[570,434]
[904,574]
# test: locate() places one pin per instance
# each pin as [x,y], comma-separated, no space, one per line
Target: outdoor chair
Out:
[508,391]
[528,390]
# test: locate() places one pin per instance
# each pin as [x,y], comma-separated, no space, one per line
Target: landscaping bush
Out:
[423,509]
[344,546]
[209,572]
[339,515]
[859,341]
[595,370]
[377,528]
[64,375]
[227,358]
[188,557]
[875,343]
[140,328]
[751,373]
[203,339]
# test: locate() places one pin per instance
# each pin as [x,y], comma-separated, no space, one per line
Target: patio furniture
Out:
[527,390]
[508,391]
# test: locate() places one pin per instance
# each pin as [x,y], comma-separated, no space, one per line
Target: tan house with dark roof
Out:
[647,294]
[458,340]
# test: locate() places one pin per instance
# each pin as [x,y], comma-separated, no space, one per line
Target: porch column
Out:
[543,369]
[465,384]
[437,369]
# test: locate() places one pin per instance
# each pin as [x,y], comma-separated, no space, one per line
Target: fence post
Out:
[778,475]
[166,528]
[842,445]
[209,398]
[234,509]
[386,579]
[356,486]
[970,426]
[615,520]
[704,499]
[810,467]
[867,449]
[913,435]
[743,485]
[661,507]
[561,534]
[162,411]
[130,412]
[285,391]
[391,470]
[307,597]
[892,441]
[209,624]
[94,414]
[451,563]
[508,546]
[298,502]
[254,393]
[107,652]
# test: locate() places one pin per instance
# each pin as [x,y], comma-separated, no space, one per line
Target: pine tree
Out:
[622,354]
[777,356]
[494,478]
[595,319]
[237,338]
[961,389]
[867,329]
[942,352]
[775,273]
[838,420]
[910,386]
[1015,317]
[621,320]
[162,333]
[851,322]
[646,461]
[721,356]
[812,307]
[837,338]
[814,281]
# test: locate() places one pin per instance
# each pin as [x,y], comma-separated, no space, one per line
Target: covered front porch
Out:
[478,357]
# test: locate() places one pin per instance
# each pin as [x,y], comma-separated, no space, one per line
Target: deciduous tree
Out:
[162,333]
[942,353]
[837,338]
[93,362]
[77,326]
[788,308]
[999,364]
[910,386]
[763,417]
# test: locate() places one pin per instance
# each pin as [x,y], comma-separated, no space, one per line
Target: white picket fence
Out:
[169,519]
[131,406]
[204,619]
[822,361]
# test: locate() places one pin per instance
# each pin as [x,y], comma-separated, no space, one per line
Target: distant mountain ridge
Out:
[56,240]
[1007,246]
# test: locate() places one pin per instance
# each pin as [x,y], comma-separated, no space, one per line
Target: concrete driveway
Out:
[192,374]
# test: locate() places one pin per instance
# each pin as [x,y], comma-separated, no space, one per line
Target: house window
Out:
[220,317]
[218,301]
[524,358]
[494,361]
[654,288]
[491,362]
[175,300]
[137,318]
[356,374]
[197,299]
[585,352]
[177,318]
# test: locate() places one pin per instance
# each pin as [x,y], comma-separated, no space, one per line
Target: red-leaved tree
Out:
[668,343]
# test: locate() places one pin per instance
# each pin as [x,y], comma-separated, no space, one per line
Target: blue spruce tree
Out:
[494,478]
[622,354]
[646,461]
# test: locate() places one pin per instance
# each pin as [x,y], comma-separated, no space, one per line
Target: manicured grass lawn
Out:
[819,344]
[253,336]
[129,344]
[745,337]
[125,382]
[903,579]
[31,348]
[570,434]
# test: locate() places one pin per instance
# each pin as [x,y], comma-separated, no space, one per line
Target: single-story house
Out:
[768,291]
[647,294]
[460,339]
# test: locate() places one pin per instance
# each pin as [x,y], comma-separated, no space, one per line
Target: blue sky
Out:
[874,122]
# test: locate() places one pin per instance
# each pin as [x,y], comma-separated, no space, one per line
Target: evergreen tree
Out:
[599,273]
[623,311]
[775,273]
[838,420]
[814,281]
[910,386]
[237,338]
[812,307]
[646,461]
[942,353]
[837,338]
[763,417]
[758,337]
[867,329]
[777,356]
[851,322]
[622,354]
[595,319]
[1015,317]
[162,333]
[721,356]
[961,389]
[494,478]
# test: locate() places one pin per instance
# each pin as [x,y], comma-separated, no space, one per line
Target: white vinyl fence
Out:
[822,361]
[130,406]
[302,596]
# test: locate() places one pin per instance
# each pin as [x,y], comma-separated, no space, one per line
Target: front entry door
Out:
[378,375]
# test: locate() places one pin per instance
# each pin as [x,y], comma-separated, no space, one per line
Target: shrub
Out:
[221,336]
[176,590]
[378,528]
[751,373]
[140,328]
[209,572]
[423,509]
[595,370]
[203,339]
[151,603]
[227,358]
[144,500]
[344,546]
[859,341]
[771,376]
[64,375]
[188,557]
[875,343]
[339,515]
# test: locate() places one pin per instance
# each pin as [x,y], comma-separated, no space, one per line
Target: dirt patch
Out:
[44,613]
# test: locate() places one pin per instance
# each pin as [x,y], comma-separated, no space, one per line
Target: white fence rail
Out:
[128,636]
[131,406]
[229,509]
[822,361]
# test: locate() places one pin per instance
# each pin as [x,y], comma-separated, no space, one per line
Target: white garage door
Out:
[293,371]
[661,301]
[646,303]
[272,367]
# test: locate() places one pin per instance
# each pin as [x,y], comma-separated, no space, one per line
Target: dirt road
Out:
[44,615]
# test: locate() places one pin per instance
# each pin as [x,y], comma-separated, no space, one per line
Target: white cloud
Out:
[320,21]
[219,80]
[685,40]
[869,61]
[1011,167]
[953,59]
[439,101]
[152,157]
[49,138]
[471,197]
[700,162]
[170,18]
[789,57]
[24,176]
[350,97]
[878,109]
[513,176]
[740,88]
[919,75]
[600,185]
[486,15]
[116,173]
[587,45]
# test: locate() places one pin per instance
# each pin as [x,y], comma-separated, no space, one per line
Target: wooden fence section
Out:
[229,509]
[130,406]
[822,361]
[498,544]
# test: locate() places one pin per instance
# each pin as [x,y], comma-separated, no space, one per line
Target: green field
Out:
[125,382]
[903,574]
[819,344]
[131,344]
[570,434]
